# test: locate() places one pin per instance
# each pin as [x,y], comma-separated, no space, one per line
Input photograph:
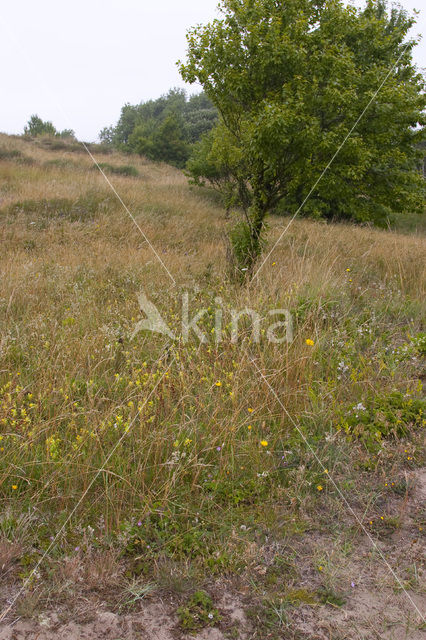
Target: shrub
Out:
[15,155]
[121,170]
[37,127]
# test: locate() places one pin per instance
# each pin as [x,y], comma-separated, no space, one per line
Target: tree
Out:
[67,133]
[290,79]
[36,127]
[144,128]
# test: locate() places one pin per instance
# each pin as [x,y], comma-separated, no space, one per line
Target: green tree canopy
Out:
[290,79]
[38,127]
[145,128]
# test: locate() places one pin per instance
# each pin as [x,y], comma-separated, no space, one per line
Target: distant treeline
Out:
[37,127]
[165,129]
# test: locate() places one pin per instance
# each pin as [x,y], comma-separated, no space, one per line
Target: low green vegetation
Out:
[198,613]
[120,170]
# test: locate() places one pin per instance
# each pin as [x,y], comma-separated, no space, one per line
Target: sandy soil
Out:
[374,609]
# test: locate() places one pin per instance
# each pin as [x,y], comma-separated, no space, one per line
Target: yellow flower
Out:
[14,487]
[310,342]
[273,264]
[320,568]
[319,487]
[218,383]
[348,269]
[249,427]
[250,410]
[325,470]
[264,443]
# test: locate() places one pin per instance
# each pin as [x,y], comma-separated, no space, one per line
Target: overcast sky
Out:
[76,63]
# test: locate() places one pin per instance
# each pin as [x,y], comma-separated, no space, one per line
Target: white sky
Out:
[77,63]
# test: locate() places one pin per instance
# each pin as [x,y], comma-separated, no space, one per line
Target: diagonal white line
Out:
[108,181]
[91,483]
[125,207]
[336,153]
[343,497]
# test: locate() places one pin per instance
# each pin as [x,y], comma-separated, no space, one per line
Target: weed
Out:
[328,596]
[198,613]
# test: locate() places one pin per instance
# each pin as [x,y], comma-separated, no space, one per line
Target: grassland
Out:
[283,478]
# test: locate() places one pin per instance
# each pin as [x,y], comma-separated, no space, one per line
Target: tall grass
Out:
[192,472]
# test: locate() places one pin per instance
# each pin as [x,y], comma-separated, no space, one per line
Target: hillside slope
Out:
[283,479]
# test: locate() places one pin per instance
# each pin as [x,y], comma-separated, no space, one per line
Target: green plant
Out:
[121,170]
[419,343]
[328,596]
[164,129]
[199,612]
[246,247]
[383,416]
[290,81]
[37,127]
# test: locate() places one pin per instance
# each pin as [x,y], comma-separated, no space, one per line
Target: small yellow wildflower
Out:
[273,264]
[218,383]
[320,568]
[249,427]
[310,342]
[348,269]
[325,470]
[319,487]
[264,443]
[250,410]
[14,487]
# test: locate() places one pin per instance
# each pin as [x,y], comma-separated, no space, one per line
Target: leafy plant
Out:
[199,612]
[121,170]
[384,416]
[290,80]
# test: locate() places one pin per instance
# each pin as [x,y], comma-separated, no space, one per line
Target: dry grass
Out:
[72,381]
